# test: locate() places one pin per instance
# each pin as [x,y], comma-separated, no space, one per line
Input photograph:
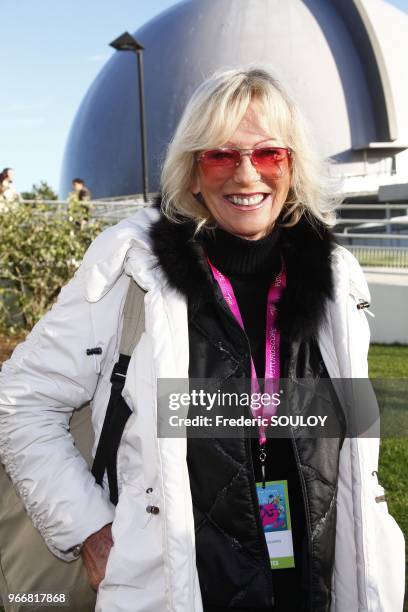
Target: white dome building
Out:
[342,60]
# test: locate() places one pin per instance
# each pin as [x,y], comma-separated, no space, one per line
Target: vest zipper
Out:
[261,533]
[254,495]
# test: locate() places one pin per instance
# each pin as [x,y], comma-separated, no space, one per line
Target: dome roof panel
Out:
[386,19]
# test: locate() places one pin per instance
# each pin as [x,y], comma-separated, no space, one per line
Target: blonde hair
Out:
[210,118]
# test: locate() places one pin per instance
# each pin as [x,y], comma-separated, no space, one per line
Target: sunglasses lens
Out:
[220,158]
[270,160]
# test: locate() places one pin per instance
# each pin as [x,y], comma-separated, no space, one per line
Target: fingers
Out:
[95,553]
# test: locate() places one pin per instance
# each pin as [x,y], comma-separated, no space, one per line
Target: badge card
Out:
[275,515]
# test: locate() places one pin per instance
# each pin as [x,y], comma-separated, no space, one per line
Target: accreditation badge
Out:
[275,516]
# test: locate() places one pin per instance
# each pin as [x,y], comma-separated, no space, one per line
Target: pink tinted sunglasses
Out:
[272,162]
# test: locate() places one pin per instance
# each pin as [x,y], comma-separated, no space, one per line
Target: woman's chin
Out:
[251,233]
[252,230]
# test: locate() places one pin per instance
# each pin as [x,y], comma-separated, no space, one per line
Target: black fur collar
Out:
[306,249]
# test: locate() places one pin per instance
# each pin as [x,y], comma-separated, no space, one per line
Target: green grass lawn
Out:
[392,362]
[388,361]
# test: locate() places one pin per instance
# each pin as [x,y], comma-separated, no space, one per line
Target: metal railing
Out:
[113,211]
[377,257]
[106,210]
[374,240]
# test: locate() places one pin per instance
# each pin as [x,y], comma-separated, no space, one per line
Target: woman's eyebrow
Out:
[232,144]
[267,140]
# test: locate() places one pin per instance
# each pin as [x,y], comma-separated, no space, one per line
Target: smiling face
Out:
[247,203]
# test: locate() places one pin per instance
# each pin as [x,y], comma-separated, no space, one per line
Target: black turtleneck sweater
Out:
[251,266]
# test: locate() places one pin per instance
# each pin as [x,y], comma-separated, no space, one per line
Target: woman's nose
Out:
[246,173]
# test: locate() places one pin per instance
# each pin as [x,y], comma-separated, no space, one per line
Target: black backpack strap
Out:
[118,412]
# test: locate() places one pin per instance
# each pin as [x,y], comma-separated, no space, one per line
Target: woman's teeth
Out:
[256,199]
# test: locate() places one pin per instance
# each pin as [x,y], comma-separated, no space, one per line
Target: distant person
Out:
[80,191]
[7,189]
[78,200]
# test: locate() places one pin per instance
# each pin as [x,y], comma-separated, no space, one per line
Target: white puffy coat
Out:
[151,567]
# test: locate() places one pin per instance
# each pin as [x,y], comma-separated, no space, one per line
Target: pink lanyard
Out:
[272,340]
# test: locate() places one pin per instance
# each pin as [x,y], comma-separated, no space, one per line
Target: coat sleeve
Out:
[47,378]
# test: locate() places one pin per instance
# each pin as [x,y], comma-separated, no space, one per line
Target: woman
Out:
[244,211]
[7,189]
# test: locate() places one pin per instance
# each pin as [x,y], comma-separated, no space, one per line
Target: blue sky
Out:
[51,51]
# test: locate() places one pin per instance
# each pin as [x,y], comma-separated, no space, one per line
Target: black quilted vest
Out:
[232,558]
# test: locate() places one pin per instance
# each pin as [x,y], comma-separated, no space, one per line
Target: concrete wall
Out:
[389,304]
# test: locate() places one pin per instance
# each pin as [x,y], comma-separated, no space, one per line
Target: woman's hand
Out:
[95,552]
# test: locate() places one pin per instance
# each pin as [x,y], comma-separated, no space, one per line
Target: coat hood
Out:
[122,248]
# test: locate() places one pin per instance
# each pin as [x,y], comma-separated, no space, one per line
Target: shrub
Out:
[40,191]
[41,246]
